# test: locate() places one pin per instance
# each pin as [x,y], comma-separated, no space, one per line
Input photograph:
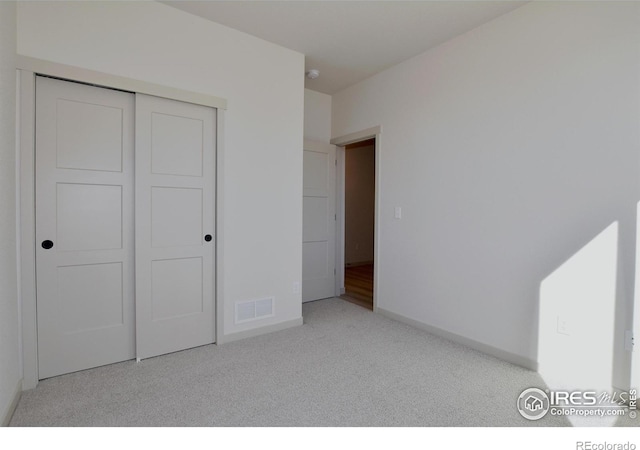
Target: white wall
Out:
[317,116]
[263,131]
[509,148]
[359,199]
[10,371]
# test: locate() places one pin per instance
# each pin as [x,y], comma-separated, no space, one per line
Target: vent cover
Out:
[254,309]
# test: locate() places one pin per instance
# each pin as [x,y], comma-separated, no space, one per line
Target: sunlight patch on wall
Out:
[577,321]
[577,317]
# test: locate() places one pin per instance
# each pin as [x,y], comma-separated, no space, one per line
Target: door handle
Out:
[208,238]
[47,244]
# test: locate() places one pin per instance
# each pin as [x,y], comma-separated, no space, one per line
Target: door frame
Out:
[341,142]
[27,70]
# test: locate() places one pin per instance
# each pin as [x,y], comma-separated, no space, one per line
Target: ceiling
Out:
[348,41]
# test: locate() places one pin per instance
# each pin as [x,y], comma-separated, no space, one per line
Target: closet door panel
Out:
[84,226]
[175,206]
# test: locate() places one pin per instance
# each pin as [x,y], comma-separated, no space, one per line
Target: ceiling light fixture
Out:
[313,74]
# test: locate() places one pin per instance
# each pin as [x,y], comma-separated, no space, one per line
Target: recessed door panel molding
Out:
[91,297]
[99,147]
[318,224]
[169,133]
[173,279]
[316,264]
[315,225]
[84,226]
[316,171]
[175,215]
[88,217]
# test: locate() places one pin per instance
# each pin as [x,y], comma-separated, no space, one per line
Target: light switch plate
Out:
[563,326]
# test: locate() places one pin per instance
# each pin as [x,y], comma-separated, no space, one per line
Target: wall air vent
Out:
[254,309]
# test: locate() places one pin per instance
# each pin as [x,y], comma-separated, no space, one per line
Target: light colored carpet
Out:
[346,366]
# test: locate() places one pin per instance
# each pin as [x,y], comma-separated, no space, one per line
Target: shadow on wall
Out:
[577,321]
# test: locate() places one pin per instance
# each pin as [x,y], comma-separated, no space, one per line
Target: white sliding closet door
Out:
[84,226]
[175,207]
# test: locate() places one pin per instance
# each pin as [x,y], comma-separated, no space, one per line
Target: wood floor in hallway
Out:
[358,285]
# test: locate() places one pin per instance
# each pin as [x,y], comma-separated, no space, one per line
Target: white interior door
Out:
[84,226]
[175,207]
[319,221]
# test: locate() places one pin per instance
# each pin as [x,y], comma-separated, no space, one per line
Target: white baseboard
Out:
[260,331]
[8,414]
[504,355]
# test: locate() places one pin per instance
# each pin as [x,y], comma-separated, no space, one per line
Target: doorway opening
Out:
[359,221]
